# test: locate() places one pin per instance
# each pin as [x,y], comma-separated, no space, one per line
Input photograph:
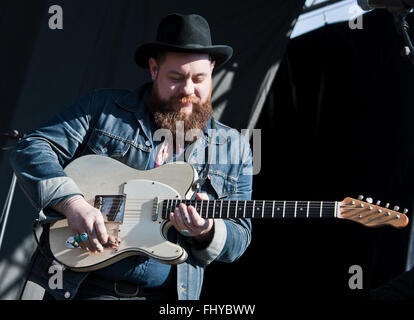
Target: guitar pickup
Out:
[111,207]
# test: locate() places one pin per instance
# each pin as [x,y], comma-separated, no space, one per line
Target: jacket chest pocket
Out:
[218,185]
[101,142]
[222,184]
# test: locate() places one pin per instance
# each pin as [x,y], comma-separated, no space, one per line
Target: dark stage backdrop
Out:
[43,71]
[338,122]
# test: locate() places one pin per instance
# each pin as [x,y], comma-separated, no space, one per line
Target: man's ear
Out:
[213,63]
[153,66]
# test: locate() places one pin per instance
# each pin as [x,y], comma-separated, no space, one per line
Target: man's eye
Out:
[175,79]
[199,79]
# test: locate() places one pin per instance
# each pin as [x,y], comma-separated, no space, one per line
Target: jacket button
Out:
[148,143]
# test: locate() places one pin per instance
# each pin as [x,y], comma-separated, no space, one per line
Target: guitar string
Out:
[316,204]
[232,204]
[257,202]
[248,206]
[218,211]
[267,205]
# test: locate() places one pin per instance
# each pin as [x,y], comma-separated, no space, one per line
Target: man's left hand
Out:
[189,223]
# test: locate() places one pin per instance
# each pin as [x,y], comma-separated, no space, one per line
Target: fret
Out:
[228,209]
[307,211]
[264,203]
[170,206]
[244,210]
[296,207]
[221,207]
[290,209]
[201,208]
[336,209]
[273,209]
[330,210]
[207,207]
[284,208]
[237,202]
[253,208]
[214,208]
[218,207]
[320,214]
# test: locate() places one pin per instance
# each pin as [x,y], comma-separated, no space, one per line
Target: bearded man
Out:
[124,125]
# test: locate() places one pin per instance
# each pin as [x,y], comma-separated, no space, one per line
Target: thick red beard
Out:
[168,112]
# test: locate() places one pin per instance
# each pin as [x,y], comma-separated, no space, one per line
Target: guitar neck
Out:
[264,209]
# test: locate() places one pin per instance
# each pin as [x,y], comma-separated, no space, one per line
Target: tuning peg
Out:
[405,210]
[360,197]
[387,205]
[396,208]
[378,202]
[369,200]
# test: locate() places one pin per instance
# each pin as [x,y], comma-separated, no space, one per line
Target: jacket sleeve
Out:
[39,158]
[231,236]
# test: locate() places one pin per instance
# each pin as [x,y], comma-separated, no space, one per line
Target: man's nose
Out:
[188,88]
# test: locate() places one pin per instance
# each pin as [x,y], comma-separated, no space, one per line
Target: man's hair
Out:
[160,57]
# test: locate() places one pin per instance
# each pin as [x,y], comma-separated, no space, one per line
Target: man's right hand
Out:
[82,217]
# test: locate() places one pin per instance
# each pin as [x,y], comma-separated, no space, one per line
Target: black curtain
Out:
[337,123]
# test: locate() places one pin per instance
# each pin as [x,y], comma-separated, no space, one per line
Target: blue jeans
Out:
[92,291]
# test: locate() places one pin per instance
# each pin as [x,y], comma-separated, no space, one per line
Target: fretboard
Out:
[256,208]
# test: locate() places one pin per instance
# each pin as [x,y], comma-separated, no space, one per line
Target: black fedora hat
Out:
[183,33]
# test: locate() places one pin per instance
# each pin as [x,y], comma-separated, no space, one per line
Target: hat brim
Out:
[220,53]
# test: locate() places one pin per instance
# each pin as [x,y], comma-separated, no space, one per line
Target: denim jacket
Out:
[115,123]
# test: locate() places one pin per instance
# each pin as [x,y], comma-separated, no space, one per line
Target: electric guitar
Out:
[136,205]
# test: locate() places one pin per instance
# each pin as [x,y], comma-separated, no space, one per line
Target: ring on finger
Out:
[84,237]
[185,232]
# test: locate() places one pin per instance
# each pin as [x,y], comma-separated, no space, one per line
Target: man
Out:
[123,125]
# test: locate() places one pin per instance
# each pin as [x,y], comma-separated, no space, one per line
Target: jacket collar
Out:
[135,102]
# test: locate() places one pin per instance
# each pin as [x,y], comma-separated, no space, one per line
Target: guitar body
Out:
[142,230]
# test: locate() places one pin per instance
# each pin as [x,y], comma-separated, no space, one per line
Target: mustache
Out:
[185,99]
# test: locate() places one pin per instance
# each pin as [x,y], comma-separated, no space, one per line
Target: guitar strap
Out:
[201,180]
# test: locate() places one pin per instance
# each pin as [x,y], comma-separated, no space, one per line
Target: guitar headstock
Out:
[372,215]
